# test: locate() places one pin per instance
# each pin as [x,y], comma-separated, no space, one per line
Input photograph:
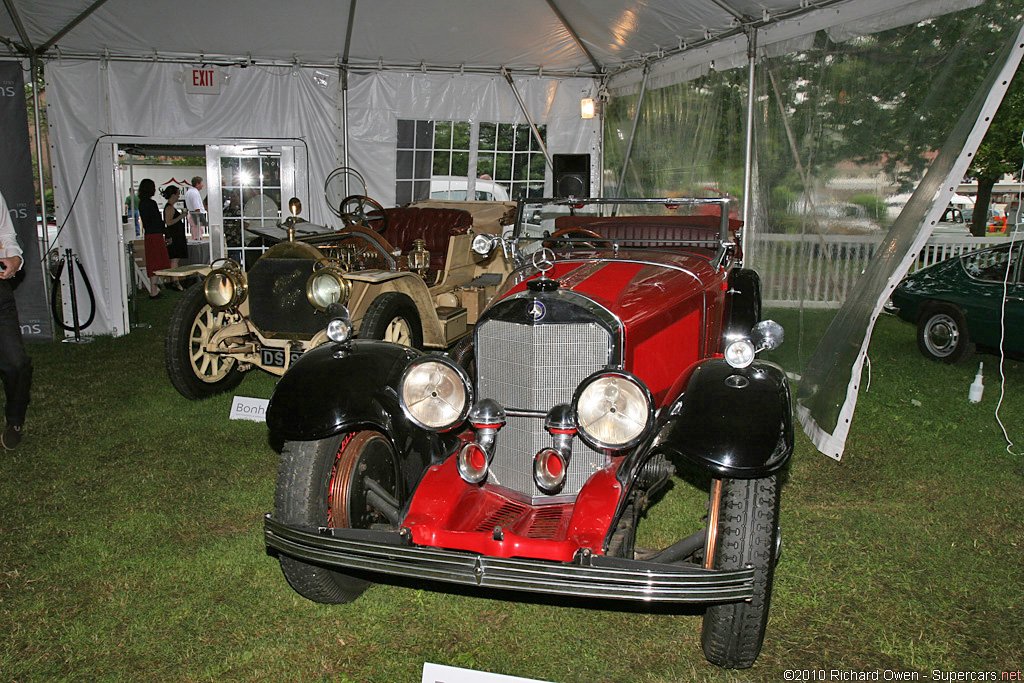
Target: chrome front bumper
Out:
[592,576]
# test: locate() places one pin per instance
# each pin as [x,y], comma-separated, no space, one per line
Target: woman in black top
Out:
[174,229]
[153,227]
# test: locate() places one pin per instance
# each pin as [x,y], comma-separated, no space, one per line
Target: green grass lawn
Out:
[131,546]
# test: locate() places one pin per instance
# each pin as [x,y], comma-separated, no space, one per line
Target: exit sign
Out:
[202,82]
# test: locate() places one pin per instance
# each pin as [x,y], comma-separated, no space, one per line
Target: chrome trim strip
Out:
[604,260]
[603,578]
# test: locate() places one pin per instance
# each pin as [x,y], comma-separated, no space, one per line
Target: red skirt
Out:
[156,254]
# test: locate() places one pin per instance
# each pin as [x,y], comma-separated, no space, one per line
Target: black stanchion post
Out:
[69,258]
[74,298]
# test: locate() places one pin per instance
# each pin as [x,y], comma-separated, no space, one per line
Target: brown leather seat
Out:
[434,226]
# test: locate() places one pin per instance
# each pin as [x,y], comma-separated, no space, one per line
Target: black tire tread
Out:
[386,308]
[176,350]
[302,477]
[748,528]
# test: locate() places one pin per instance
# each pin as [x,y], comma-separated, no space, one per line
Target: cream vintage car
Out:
[407,275]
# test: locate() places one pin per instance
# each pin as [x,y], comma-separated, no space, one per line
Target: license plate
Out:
[274,358]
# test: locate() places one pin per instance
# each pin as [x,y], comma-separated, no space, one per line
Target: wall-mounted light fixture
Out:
[587,108]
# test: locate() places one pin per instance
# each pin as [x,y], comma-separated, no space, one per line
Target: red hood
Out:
[661,299]
[633,290]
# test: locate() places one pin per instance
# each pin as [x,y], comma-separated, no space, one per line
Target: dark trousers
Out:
[15,365]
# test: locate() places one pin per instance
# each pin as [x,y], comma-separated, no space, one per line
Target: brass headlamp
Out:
[225,286]
[327,284]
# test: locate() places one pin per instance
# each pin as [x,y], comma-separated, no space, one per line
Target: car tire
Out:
[748,535]
[195,373]
[942,334]
[392,317]
[322,484]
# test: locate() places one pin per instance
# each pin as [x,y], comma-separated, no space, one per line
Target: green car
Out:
[958,304]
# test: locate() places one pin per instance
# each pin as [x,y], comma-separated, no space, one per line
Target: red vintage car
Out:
[619,353]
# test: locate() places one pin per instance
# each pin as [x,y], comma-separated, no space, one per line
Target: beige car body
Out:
[447,309]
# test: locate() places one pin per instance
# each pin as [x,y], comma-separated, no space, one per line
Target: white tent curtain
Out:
[94,101]
[90,101]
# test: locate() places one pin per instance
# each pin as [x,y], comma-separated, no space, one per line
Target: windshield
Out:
[663,224]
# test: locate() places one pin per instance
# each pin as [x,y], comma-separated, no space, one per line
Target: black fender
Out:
[735,423]
[742,302]
[344,387]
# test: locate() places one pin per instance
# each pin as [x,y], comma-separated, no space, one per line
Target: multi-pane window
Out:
[433,156]
[251,192]
[433,160]
[510,155]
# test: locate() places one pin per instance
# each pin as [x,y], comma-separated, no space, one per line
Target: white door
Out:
[249,186]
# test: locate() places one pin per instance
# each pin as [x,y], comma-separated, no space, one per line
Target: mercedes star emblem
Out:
[544,260]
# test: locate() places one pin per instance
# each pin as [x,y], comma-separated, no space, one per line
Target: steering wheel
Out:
[337,185]
[353,210]
[552,242]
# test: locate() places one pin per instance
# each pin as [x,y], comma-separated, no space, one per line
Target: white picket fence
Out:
[818,271]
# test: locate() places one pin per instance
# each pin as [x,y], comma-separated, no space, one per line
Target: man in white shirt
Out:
[193,204]
[15,365]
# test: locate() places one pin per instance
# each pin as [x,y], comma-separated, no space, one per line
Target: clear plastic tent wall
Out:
[845,128]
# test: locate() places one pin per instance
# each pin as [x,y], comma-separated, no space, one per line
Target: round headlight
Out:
[326,287]
[739,353]
[483,244]
[435,393]
[339,330]
[613,410]
[225,287]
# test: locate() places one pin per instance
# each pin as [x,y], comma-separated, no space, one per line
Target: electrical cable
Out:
[1002,307]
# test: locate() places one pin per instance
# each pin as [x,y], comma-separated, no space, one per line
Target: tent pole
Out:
[344,123]
[344,88]
[39,142]
[749,154]
[526,112]
[36,67]
[632,132]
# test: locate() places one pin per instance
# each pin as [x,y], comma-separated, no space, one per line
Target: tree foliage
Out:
[886,100]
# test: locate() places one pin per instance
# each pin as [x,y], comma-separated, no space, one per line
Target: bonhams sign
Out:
[16,185]
[202,82]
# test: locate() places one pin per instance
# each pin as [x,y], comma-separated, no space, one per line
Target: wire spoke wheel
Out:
[399,331]
[209,367]
[194,371]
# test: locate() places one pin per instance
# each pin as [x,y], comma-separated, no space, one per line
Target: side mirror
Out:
[767,335]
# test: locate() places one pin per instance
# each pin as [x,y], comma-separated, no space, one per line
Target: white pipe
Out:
[526,112]
[749,155]
[632,132]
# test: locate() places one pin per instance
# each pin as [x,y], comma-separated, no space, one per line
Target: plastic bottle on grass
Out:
[974,395]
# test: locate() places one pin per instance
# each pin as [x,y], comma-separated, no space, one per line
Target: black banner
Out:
[16,185]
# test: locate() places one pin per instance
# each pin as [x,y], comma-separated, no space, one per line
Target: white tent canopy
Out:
[543,36]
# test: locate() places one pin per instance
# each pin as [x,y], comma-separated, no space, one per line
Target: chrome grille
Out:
[535,367]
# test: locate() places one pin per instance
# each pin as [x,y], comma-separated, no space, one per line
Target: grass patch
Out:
[131,546]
